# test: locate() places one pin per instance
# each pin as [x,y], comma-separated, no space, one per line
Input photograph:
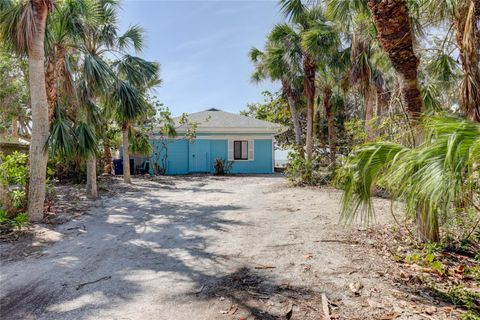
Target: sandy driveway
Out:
[201,248]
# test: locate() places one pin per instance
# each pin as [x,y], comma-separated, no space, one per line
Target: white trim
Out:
[222,137]
[247,130]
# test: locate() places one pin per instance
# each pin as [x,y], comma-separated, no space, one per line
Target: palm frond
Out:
[17,25]
[435,178]
[128,101]
[62,138]
[132,38]
[360,175]
[137,71]
[87,140]
[97,73]
[139,142]
[292,9]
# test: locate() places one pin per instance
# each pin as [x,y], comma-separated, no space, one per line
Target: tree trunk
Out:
[126,155]
[369,112]
[107,159]
[4,197]
[51,84]
[309,68]
[15,128]
[382,98]
[332,143]
[292,103]
[39,105]
[467,34]
[92,177]
[395,35]
[427,232]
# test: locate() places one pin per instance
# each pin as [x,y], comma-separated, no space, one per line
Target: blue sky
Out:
[202,47]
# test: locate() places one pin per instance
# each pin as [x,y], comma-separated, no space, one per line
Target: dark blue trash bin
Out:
[118,166]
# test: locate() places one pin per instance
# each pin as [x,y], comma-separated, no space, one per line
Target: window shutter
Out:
[251,147]
[230,150]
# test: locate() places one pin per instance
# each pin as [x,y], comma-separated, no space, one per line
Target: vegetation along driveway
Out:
[204,247]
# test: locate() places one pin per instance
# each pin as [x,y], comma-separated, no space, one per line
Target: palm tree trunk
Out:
[368,102]
[396,37]
[395,34]
[292,103]
[4,197]
[309,68]
[39,105]
[15,128]
[332,140]
[382,98]
[107,159]
[92,177]
[51,84]
[427,232]
[467,34]
[126,155]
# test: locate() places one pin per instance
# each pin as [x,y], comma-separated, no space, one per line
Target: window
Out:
[240,150]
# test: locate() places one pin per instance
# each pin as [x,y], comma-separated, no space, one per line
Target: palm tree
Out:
[392,22]
[437,176]
[22,26]
[315,35]
[332,71]
[100,78]
[281,62]
[127,103]
[464,16]
[65,29]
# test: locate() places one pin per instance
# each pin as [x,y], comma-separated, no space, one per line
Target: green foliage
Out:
[300,171]
[222,166]
[438,177]
[13,169]
[273,109]
[460,296]
[13,177]
[139,142]
[20,221]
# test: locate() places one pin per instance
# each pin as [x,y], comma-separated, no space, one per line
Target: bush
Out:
[300,171]
[222,166]
[13,180]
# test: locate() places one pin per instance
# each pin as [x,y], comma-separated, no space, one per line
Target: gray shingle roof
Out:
[215,119]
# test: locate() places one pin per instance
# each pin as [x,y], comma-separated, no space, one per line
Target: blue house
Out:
[246,142]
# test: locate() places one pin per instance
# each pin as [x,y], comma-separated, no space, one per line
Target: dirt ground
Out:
[203,247]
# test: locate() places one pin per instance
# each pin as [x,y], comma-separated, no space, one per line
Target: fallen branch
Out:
[81,285]
[264,267]
[338,241]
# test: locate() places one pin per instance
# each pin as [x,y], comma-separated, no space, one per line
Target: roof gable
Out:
[214,120]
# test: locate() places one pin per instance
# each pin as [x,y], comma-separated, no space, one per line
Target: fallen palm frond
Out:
[437,178]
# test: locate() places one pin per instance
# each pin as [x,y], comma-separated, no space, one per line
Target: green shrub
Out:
[13,177]
[222,166]
[300,171]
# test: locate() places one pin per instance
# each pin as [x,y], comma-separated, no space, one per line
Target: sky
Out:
[202,47]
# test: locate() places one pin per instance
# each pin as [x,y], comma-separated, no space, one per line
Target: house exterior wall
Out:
[198,156]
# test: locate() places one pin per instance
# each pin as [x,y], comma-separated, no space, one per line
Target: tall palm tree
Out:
[65,28]
[281,62]
[394,32]
[315,34]
[332,72]
[22,26]
[100,78]
[465,18]
[134,76]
